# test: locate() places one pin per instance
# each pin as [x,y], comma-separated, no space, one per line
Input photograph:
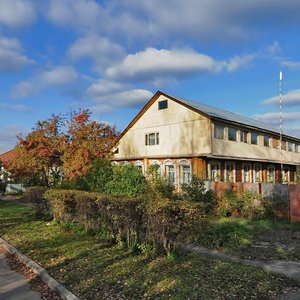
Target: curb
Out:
[41,272]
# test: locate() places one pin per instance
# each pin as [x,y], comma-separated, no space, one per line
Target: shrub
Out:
[35,195]
[169,221]
[226,233]
[2,186]
[99,175]
[127,180]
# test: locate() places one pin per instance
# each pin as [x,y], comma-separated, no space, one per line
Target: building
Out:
[185,138]
[5,158]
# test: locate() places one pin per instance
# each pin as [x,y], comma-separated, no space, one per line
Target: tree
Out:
[37,156]
[85,140]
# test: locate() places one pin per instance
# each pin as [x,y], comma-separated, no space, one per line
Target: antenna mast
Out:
[280,124]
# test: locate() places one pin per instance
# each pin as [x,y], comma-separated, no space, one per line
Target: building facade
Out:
[184,138]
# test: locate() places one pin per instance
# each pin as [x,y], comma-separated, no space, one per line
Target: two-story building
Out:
[185,138]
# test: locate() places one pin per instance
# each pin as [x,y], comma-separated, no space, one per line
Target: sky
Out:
[57,56]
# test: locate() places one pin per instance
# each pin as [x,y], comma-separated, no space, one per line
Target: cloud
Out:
[8,136]
[274,117]
[101,50]
[160,64]
[58,76]
[11,57]
[126,98]
[292,98]
[17,13]
[82,15]
[103,88]
[14,107]
[290,64]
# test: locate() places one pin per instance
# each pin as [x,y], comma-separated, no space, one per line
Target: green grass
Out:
[93,268]
[256,239]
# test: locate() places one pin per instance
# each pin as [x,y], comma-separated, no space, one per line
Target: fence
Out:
[287,197]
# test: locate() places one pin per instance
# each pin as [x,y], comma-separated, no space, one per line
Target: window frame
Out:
[245,134]
[236,131]
[163,104]
[254,173]
[249,173]
[268,173]
[228,163]
[182,164]
[168,164]
[268,144]
[216,126]
[251,138]
[215,178]
[156,139]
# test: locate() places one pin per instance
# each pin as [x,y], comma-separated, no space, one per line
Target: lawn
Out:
[93,268]
[256,239]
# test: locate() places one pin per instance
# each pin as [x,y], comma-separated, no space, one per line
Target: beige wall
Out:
[225,148]
[182,132]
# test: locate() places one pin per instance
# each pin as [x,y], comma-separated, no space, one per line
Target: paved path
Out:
[14,286]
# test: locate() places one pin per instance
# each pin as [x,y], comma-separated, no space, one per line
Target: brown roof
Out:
[7,156]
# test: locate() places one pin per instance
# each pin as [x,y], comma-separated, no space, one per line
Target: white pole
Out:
[280,123]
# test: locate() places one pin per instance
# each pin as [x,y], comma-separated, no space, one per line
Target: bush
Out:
[225,233]
[169,221]
[35,195]
[2,186]
[127,180]
[131,221]
[250,205]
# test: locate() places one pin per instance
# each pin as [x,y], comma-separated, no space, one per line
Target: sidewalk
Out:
[14,286]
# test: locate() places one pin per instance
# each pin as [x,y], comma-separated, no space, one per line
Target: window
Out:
[243,136]
[215,171]
[116,151]
[232,134]
[283,145]
[290,146]
[286,174]
[267,141]
[156,168]
[254,138]
[152,139]
[230,171]
[139,165]
[297,148]
[257,174]
[246,173]
[271,173]
[185,172]
[170,172]
[219,131]
[163,104]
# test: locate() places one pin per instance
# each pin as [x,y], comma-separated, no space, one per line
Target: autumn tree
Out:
[37,156]
[86,140]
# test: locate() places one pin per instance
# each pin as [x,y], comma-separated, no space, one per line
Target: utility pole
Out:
[280,123]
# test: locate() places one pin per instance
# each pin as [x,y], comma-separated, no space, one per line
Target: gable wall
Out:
[182,132]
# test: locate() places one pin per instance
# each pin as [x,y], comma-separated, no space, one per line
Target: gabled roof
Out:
[211,112]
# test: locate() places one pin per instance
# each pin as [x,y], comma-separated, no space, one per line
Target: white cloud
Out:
[125,98]
[17,13]
[290,64]
[103,88]
[59,76]
[82,15]
[11,56]
[8,136]
[162,64]
[14,107]
[101,50]
[292,98]
[274,117]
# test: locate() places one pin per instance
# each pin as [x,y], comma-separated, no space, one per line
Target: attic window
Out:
[162,104]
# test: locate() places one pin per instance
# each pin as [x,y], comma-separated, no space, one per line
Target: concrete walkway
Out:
[14,286]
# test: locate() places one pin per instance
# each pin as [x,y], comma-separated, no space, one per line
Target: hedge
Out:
[129,220]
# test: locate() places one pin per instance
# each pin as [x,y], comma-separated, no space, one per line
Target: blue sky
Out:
[112,56]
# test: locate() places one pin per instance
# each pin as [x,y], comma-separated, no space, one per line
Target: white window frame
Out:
[185,163]
[157,162]
[215,178]
[249,172]
[227,163]
[140,164]
[147,138]
[268,173]
[288,174]
[254,173]
[169,163]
